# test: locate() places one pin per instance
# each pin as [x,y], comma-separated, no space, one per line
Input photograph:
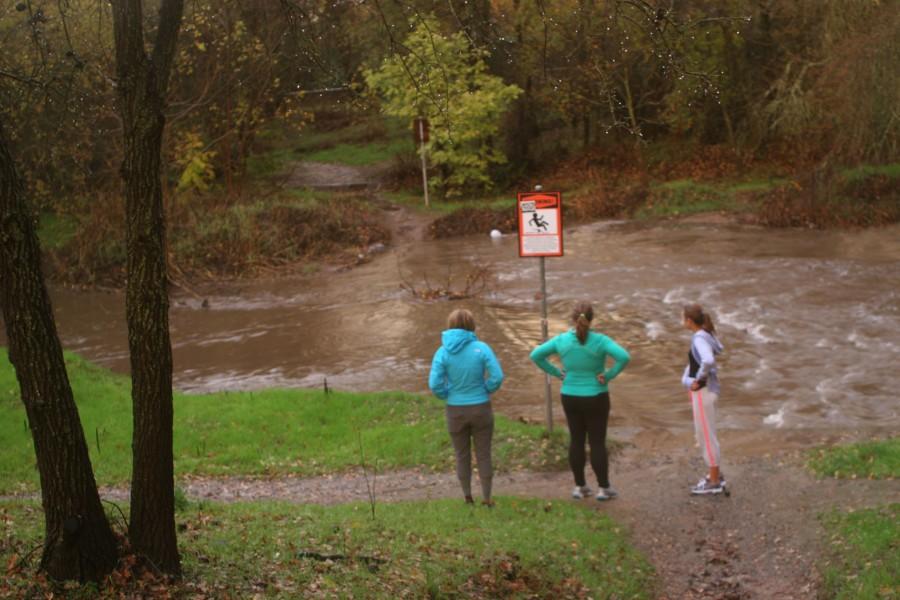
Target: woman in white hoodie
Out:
[702,381]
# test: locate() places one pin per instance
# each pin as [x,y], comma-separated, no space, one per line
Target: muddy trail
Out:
[406,226]
[764,540]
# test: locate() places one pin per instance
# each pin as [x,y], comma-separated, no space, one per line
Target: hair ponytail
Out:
[708,324]
[582,315]
[699,317]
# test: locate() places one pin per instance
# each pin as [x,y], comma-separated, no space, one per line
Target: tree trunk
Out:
[142,84]
[78,542]
[629,102]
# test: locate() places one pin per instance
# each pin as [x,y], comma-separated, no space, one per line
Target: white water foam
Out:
[755,330]
[675,296]
[654,329]
[776,418]
[855,339]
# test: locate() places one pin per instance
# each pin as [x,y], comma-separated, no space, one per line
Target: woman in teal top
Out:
[585,393]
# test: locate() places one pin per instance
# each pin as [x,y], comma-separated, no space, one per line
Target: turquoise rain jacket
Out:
[459,367]
[582,362]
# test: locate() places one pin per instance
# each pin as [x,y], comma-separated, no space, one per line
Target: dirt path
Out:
[764,541]
[331,176]
[405,224]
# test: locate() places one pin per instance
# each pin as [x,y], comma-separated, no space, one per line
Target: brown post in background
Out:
[420,133]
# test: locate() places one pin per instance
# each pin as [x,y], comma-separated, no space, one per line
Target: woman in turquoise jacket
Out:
[464,373]
[585,393]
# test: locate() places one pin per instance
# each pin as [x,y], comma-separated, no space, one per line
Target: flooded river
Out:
[810,321]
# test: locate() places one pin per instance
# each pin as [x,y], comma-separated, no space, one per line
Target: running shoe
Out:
[705,479]
[705,486]
[603,494]
[581,491]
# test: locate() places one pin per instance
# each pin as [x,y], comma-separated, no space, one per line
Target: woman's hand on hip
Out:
[601,378]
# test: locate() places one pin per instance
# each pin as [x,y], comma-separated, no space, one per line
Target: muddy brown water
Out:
[810,321]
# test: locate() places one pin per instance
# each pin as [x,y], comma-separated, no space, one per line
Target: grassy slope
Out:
[865,558]
[416,201]
[366,142]
[867,460]
[863,561]
[685,197]
[524,548]
[265,433]
[436,548]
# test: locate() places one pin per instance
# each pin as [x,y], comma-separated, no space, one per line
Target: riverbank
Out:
[264,434]
[329,200]
[255,525]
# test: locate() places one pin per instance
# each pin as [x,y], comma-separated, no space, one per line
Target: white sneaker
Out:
[603,495]
[610,492]
[706,487]
[580,492]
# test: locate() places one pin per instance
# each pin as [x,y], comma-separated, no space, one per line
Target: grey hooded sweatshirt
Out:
[704,348]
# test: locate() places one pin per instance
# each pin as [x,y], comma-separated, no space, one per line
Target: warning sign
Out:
[540,224]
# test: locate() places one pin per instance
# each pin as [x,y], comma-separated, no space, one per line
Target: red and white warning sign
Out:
[540,224]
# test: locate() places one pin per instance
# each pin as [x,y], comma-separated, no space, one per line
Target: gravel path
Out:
[764,541]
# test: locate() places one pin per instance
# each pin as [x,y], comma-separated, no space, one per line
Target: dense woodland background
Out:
[796,92]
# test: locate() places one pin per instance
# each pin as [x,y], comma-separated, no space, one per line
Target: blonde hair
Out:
[582,315]
[461,319]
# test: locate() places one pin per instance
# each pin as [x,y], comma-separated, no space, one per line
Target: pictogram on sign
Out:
[540,223]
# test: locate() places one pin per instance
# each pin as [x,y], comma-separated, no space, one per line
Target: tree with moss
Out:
[442,77]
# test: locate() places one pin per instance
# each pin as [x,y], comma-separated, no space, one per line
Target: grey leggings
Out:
[467,424]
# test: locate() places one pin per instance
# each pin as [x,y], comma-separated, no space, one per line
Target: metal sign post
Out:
[540,235]
[420,132]
[548,393]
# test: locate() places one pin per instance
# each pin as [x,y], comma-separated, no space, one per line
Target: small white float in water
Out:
[496,233]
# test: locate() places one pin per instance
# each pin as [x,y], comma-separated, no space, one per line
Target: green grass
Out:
[308,196]
[370,141]
[864,561]
[360,154]
[270,162]
[686,197]
[861,172]
[440,207]
[867,460]
[367,142]
[375,128]
[759,185]
[55,231]
[437,549]
[265,433]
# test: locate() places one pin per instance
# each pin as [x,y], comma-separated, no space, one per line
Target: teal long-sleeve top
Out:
[582,363]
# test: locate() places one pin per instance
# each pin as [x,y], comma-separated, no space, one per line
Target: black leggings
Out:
[588,416]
